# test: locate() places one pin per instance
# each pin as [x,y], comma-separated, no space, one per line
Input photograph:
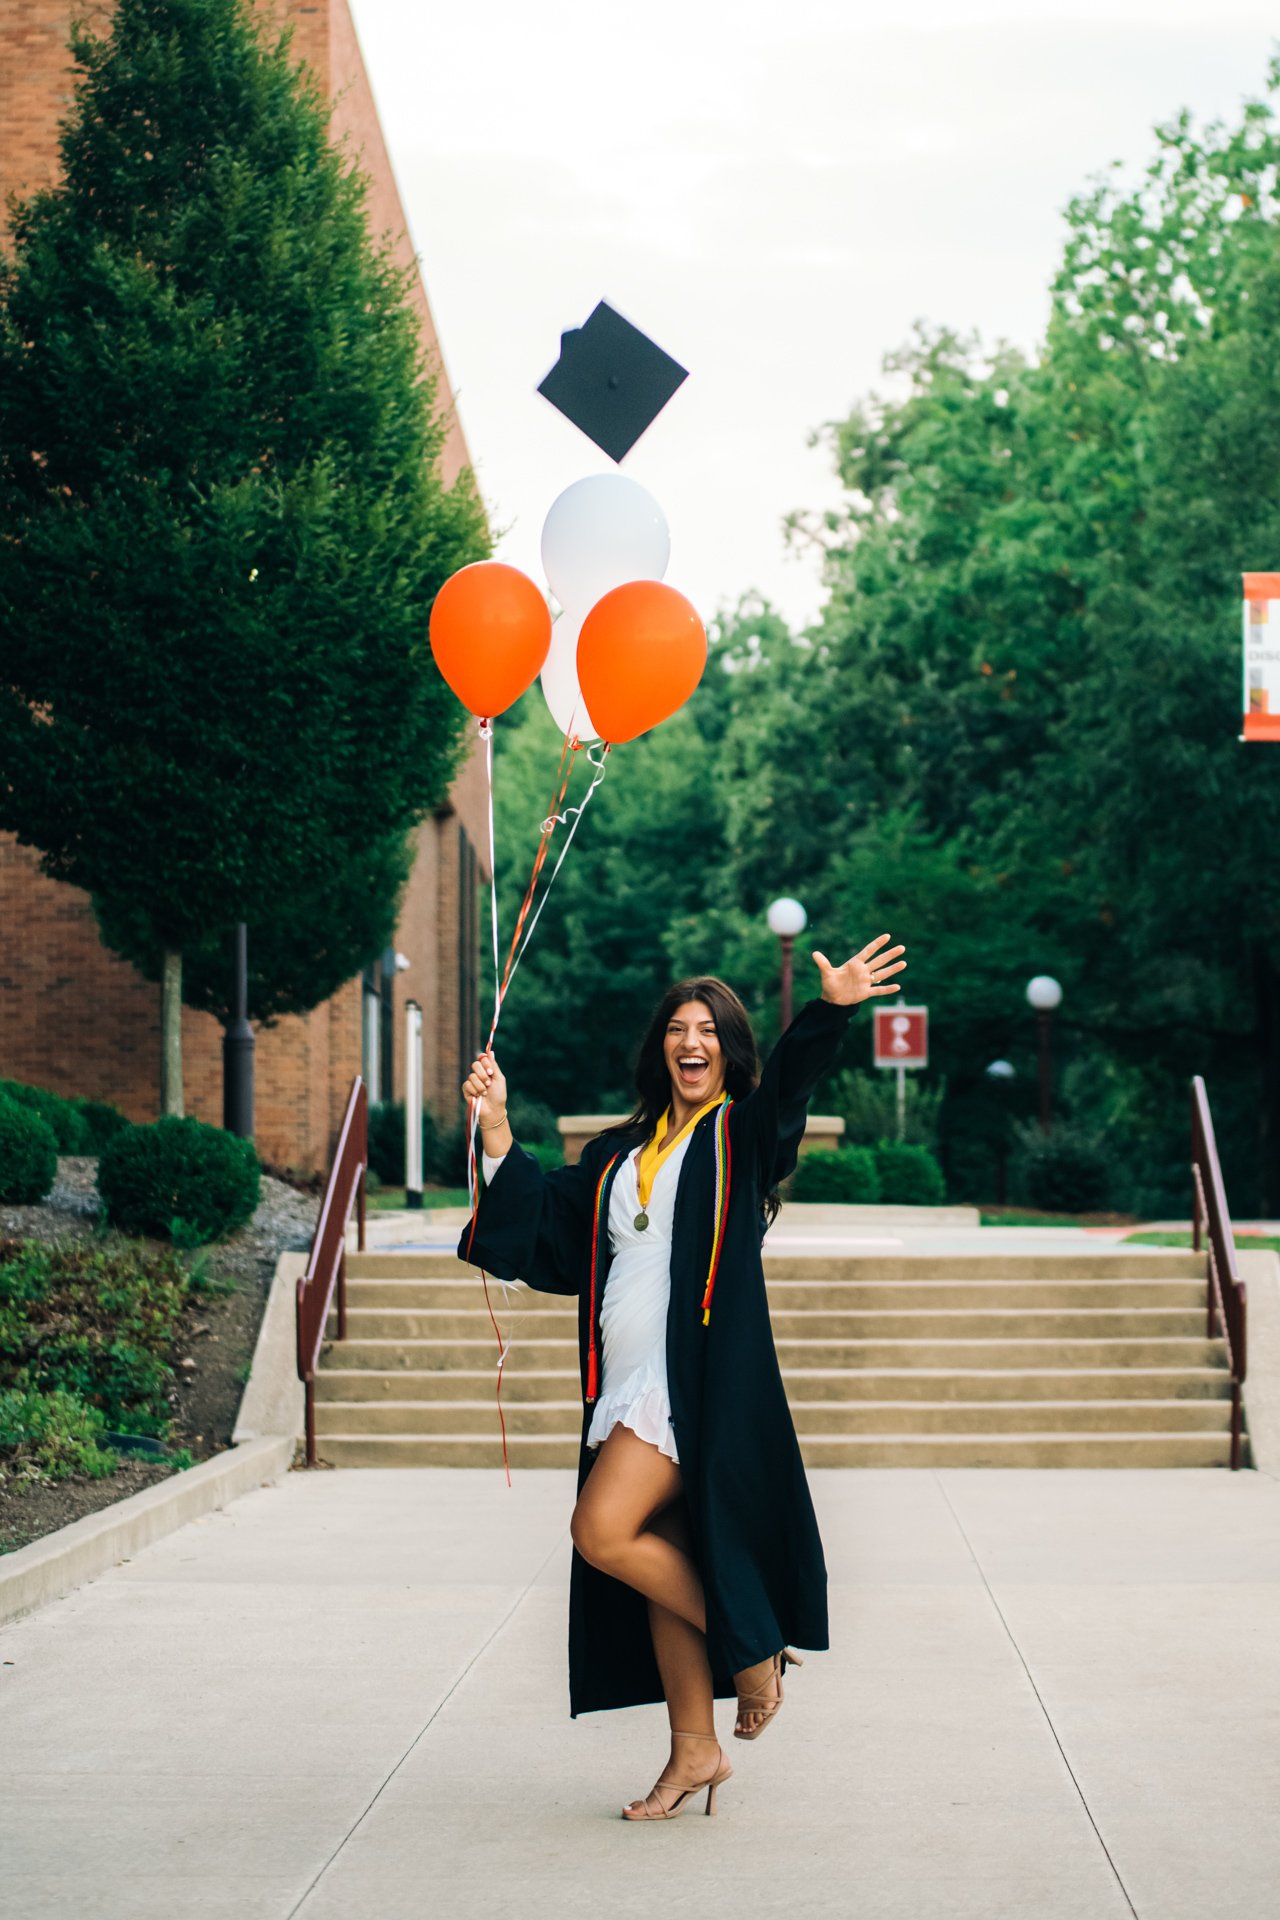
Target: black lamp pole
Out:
[237,1049]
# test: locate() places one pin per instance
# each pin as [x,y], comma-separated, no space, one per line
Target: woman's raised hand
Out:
[486,1083]
[860,976]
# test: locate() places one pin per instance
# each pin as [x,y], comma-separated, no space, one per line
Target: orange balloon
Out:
[490,634]
[641,653]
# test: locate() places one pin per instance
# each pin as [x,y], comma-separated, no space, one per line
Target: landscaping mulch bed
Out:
[212,1357]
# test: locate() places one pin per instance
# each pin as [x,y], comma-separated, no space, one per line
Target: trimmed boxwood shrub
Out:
[179,1179]
[62,1116]
[849,1175]
[28,1154]
[1061,1171]
[546,1155]
[101,1122]
[909,1175]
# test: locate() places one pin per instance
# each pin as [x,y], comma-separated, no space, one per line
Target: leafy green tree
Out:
[301,954]
[225,519]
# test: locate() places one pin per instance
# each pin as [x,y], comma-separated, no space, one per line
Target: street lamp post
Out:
[237,1048]
[786,918]
[1045,994]
[412,1104]
[1001,1072]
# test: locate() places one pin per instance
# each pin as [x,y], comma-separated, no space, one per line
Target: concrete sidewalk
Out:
[1051,1695]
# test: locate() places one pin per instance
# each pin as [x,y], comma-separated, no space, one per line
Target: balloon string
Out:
[568,749]
[473,1170]
[549,825]
[502,980]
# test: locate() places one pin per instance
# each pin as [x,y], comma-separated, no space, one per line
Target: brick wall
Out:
[75,1018]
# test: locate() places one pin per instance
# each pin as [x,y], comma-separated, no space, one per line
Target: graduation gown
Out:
[749,1508]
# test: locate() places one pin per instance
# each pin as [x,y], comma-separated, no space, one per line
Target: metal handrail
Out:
[1225,1304]
[327,1261]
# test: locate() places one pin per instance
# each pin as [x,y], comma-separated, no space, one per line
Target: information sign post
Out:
[900,1039]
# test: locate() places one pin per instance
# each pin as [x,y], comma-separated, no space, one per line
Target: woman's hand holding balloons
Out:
[487,1083]
[861,975]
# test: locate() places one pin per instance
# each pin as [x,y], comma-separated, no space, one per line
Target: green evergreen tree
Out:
[223,509]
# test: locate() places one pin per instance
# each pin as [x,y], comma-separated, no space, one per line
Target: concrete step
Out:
[829,1296]
[349,1385]
[1176,1449]
[1006,1383]
[1138,1263]
[832,1417]
[988,1323]
[836,1384]
[958,1355]
[1135,1263]
[447,1354]
[961,1355]
[1020,1450]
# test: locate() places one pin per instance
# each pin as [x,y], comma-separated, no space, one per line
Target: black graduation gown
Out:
[750,1512]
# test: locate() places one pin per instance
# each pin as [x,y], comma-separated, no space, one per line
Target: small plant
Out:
[95,1323]
[1060,1171]
[848,1176]
[51,1436]
[28,1153]
[867,1102]
[909,1175]
[533,1122]
[179,1180]
[182,1458]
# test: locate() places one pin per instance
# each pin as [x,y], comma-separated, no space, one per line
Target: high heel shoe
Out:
[668,1809]
[767,1704]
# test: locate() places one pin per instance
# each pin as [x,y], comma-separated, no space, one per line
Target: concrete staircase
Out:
[1071,1360]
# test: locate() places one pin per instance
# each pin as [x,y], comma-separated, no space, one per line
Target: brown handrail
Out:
[1226,1295]
[327,1260]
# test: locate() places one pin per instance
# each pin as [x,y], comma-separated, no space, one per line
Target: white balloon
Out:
[560,680]
[600,533]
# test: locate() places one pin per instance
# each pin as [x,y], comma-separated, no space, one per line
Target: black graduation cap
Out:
[611,380]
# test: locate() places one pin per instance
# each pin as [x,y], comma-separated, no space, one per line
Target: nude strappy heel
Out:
[667,1810]
[767,1704]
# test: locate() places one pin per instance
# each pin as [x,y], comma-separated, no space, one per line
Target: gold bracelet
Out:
[493,1125]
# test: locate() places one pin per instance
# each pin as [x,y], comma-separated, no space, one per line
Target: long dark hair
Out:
[737,1050]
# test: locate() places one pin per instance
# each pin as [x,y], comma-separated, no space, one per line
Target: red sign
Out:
[901,1036]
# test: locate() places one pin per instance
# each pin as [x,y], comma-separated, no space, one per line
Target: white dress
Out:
[633,1311]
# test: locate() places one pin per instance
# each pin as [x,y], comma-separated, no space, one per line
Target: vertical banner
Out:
[1261,656]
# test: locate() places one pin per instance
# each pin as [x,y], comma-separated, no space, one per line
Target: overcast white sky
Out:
[775,193]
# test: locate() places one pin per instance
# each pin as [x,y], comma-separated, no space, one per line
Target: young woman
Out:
[697,1559]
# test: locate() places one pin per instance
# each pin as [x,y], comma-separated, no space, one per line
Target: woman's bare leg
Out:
[630,1482]
[680,1649]
[627,1524]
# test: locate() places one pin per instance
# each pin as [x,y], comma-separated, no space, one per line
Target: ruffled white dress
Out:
[633,1311]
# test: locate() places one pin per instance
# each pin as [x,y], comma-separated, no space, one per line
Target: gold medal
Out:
[641,1221]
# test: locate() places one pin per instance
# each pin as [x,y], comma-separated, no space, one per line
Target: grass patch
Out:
[1245,1242]
[1028,1217]
[391,1199]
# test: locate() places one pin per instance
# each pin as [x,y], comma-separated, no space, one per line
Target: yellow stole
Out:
[652,1156]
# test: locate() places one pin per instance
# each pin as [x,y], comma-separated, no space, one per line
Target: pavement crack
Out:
[427,1724]
[1040,1701]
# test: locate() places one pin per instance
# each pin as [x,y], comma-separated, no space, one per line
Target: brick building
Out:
[75,1018]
